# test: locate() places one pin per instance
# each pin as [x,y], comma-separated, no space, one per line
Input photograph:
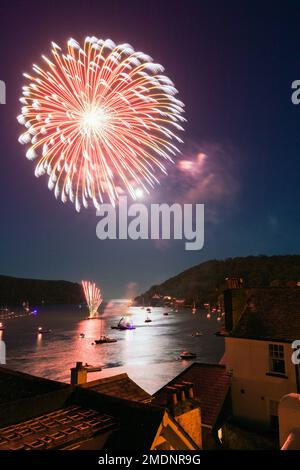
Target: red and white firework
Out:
[93,297]
[100,120]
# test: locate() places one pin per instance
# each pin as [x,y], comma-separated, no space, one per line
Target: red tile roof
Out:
[211,384]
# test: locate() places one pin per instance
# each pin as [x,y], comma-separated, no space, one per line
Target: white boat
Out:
[105,339]
[41,331]
[90,368]
[124,324]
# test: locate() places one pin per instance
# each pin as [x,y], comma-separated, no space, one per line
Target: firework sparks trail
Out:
[100,120]
[93,297]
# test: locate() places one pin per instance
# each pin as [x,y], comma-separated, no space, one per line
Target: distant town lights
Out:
[2,92]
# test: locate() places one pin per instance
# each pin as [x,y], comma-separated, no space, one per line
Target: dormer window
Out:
[276,359]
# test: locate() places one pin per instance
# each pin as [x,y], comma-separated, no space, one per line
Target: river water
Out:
[149,354]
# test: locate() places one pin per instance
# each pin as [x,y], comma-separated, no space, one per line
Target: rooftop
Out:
[55,430]
[17,385]
[119,386]
[211,384]
[271,313]
[61,415]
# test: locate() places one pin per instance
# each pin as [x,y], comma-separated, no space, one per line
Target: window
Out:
[276,358]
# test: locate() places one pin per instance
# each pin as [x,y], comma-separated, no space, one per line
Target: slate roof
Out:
[211,384]
[28,402]
[271,313]
[16,385]
[119,386]
[56,429]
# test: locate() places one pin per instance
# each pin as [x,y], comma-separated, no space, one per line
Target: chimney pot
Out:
[78,374]
[190,389]
[181,389]
[172,396]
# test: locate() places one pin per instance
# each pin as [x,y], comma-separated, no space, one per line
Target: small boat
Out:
[197,333]
[105,339]
[41,331]
[187,355]
[124,325]
[166,313]
[2,327]
[82,335]
[148,320]
[91,368]
[148,309]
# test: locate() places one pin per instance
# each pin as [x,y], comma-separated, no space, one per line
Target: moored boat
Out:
[105,339]
[91,368]
[124,324]
[188,355]
[41,331]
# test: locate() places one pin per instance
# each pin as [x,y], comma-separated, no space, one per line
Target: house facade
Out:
[261,325]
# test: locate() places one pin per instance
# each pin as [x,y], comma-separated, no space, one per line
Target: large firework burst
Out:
[100,120]
[93,297]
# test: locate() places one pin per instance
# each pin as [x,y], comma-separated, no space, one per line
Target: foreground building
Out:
[210,396]
[42,414]
[260,326]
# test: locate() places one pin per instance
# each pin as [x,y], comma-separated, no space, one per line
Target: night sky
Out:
[233,64]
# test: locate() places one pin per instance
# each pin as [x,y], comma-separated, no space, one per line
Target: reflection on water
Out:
[149,354]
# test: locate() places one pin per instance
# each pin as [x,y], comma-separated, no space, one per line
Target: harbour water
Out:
[149,354]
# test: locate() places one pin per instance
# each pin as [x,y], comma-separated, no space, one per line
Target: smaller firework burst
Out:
[93,297]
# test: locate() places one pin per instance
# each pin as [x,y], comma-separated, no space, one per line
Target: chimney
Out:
[78,374]
[234,304]
[187,411]
[172,398]
[181,390]
[189,387]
